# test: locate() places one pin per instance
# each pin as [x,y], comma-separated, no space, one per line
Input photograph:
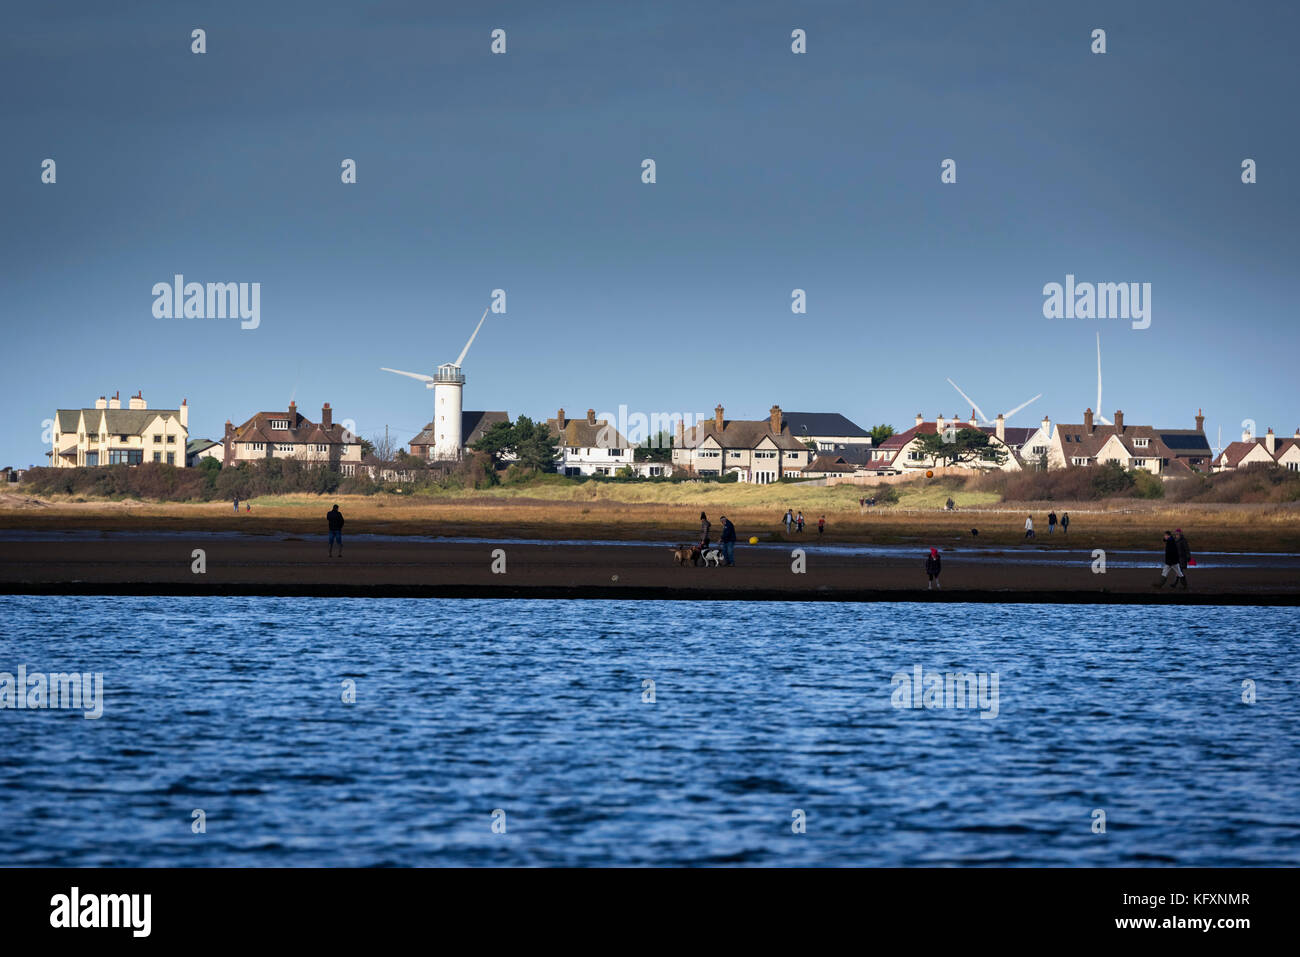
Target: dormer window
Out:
[1141,443]
[282,424]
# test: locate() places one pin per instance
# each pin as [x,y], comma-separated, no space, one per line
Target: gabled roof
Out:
[821,423]
[472,426]
[301,430]
[829,463]
[1232,455]
[581,434]
[740,434]
[194,446]
[113,421]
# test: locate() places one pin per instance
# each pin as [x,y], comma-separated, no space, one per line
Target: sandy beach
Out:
[619,550]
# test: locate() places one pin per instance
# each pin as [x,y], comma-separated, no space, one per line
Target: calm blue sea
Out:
[764,717]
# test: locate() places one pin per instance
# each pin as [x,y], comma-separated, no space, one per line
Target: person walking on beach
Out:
[789,520]
[1065,523]
[728,541]
[236,504]
[821,525]
[1184,554]
[1029,526]
[705,525]
[932,568]
[335,519]
[1051,522]
[1171,563]
[798,521]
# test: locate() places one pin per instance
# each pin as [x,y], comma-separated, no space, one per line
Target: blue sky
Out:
[775,171]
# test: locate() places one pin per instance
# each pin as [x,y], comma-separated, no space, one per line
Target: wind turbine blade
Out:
[413,375]
[978,410]
[463,352]
[1007,415]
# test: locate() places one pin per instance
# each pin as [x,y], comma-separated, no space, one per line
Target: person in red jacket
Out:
[933,565]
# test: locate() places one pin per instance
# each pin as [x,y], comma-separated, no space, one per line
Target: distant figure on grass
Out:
[236,504]
[335,519]
[1065,523]
[705,525]
[949,505]
[933,565]
[728,541]
[1184,553]
[821,525]
[1029,526]
[1051,522]
[1172,564]
[789,520]
[798,521]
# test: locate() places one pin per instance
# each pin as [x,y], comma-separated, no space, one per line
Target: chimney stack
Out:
[1200,421]
[940,421]
[1047,426]
[1247,435]
[1119,421]
[591,416]
[681,433]
[137,401]
[1000,427]
[775,419]
[560,420]
[1270,442]
[919,418]
[717,417]
[326,417]
[101,403]
[973,423]
[185,414]
[1087,421]
[293,414]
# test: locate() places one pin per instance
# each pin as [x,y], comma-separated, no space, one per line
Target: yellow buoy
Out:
[753,539]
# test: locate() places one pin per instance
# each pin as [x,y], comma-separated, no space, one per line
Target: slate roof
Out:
[740,434]
[301,430]
[579,433]
[1234,452]
[472,426]
[821,423]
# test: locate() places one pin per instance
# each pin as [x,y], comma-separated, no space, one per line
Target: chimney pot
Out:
[326,417]
[1119,421]
[919,418]
[560,420]
[1087,420]
[1200,421]
[591,416]
[1000,427]
[717,417]
[1270,442]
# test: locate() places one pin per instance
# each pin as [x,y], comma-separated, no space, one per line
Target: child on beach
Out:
[932,568]
[798,521]
[1029,526]
[821,525]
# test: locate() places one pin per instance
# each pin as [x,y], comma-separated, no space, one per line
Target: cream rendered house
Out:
[1266,449]
[291,435]
[759,451]
[111,435]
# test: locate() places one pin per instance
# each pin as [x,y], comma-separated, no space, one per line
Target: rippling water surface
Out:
[535,708]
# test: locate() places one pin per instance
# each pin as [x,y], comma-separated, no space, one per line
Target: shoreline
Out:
[290,566]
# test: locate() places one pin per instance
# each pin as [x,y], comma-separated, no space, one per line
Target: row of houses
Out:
[784,445]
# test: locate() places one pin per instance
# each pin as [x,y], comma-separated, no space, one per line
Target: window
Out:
[92,459]
[284,446]
[915,456]
[614,452]
[92,436]
[171,458]
[573,450]
[1040,449]
[171,440]
[157,456]
[1293,466]
[1079,460]
[125,457]
[257,446]
[1141,443]
[347,469]
[281,424]
[123,438]
[157,439]
[1139,463]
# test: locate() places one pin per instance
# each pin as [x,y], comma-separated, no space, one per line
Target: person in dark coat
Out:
[1184,554]
[1051,522]
[705,525]
[933,566]
[335,519]
[1065,523]
[1171,563]
[728,541]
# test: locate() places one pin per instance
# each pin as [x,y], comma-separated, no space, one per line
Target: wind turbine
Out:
[448,384]
[980,412]
[1100,418]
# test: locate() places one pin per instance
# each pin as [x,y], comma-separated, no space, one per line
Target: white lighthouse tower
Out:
[448,386]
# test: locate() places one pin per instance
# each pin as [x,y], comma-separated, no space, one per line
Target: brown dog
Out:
[687,553]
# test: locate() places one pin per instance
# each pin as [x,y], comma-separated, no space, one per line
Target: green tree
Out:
[498,440]
[962,445]
[535,447]
[656,449]
[880,432]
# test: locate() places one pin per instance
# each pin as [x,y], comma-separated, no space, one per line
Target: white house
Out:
[111,435]
[1266,449]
